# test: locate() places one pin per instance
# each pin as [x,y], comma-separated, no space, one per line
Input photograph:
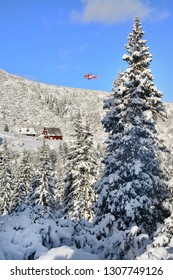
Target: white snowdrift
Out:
[67,253]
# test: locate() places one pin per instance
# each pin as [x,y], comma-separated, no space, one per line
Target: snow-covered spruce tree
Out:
[24,176]
[9,194]
[6,129]
[81,173]
[133,187]
[60,171]
[44,181]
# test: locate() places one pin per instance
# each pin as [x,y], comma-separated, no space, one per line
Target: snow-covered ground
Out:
[68,253]
[21,142]
[30,234]
[34,234]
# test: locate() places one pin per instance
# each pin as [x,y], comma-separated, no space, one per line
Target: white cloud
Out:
[113,11]
[83,47]
[63,54]
[63,66]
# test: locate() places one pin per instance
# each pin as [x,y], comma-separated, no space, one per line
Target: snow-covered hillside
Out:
[26,103]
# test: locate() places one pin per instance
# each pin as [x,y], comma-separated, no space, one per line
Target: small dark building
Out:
[52,133]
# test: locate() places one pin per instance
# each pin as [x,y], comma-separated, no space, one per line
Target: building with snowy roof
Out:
[28,131]
[53,133]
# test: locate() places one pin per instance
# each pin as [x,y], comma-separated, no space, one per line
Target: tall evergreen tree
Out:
[79,194]
[6,129]
[133,187]
[44,181]
[25,173]
[60,171]
[8,193]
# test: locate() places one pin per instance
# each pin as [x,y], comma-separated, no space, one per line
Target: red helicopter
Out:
[90,76]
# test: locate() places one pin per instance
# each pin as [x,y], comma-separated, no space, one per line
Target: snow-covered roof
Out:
[27,130]
[53,131]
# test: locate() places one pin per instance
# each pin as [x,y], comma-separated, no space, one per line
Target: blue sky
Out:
[59,41]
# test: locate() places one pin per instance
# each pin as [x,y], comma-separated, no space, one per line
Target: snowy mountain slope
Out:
[26,103]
